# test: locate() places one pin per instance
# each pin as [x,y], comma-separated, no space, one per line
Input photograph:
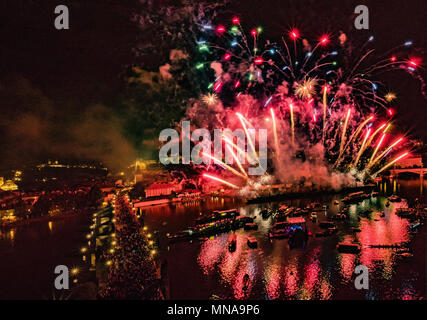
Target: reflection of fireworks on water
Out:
[293,83]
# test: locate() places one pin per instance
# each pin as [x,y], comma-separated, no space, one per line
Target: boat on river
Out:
[232,241]
[250,226]
[252,242]
[327,225]
[394,198]
[356,197]
[184,235]
[414,226]
[217,215]
[406,212]
[284,229]
[278,234]
[313,217]
[212,228]
[346,247]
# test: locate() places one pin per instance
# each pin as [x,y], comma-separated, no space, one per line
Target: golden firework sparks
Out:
[306,88]
[210,98]
[390,96]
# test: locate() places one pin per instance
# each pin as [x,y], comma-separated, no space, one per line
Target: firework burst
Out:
[306,88]
[295,82]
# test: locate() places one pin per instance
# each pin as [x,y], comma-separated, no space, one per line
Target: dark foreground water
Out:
[201,270]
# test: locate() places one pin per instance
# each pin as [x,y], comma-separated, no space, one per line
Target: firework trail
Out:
[220,180]
[259,72]
[362,147]
[291,108]
[237,160]
[376,148]
[359,129]
[248,137]
[352,137]
[384,153]
[325,108]
[391,163]
[245,154]
[276,139]
[371,138]
[344,130]
[223,164]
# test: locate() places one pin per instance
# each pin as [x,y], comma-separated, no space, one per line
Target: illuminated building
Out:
[160,189]
[7,215]
[410,162]
[9,185]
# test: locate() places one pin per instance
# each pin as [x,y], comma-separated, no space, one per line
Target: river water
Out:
[201,270]
[206,269]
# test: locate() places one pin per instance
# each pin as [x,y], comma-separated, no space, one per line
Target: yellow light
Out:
[210,98]
[390,96]
[83,250]
[74,271]
[109,263]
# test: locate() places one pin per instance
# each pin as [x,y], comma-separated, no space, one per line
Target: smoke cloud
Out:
[34,129]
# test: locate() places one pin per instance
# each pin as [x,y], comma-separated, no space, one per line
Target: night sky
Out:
[55,76]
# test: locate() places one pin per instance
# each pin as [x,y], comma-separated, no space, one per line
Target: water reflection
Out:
[316,272]
[200,269]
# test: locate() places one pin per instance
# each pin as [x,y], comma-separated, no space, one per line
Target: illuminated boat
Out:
[345,247]
[252,242]
[286,228]
[406,212]
[250,226]
[278,234]
[183,235]
[327,225]
[394,198]
[218,215]
[356,197]
[414,226]
[232,240]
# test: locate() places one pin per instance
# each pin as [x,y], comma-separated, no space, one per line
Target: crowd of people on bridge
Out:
[132,272]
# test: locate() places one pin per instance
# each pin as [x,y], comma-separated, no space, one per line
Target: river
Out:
[206,269]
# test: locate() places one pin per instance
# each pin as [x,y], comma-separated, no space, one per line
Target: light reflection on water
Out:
[200,269]
[276,272]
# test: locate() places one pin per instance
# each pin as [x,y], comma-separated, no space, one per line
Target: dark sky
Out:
[82,66]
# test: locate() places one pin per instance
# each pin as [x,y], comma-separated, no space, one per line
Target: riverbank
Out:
[305,194]
[56,217]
